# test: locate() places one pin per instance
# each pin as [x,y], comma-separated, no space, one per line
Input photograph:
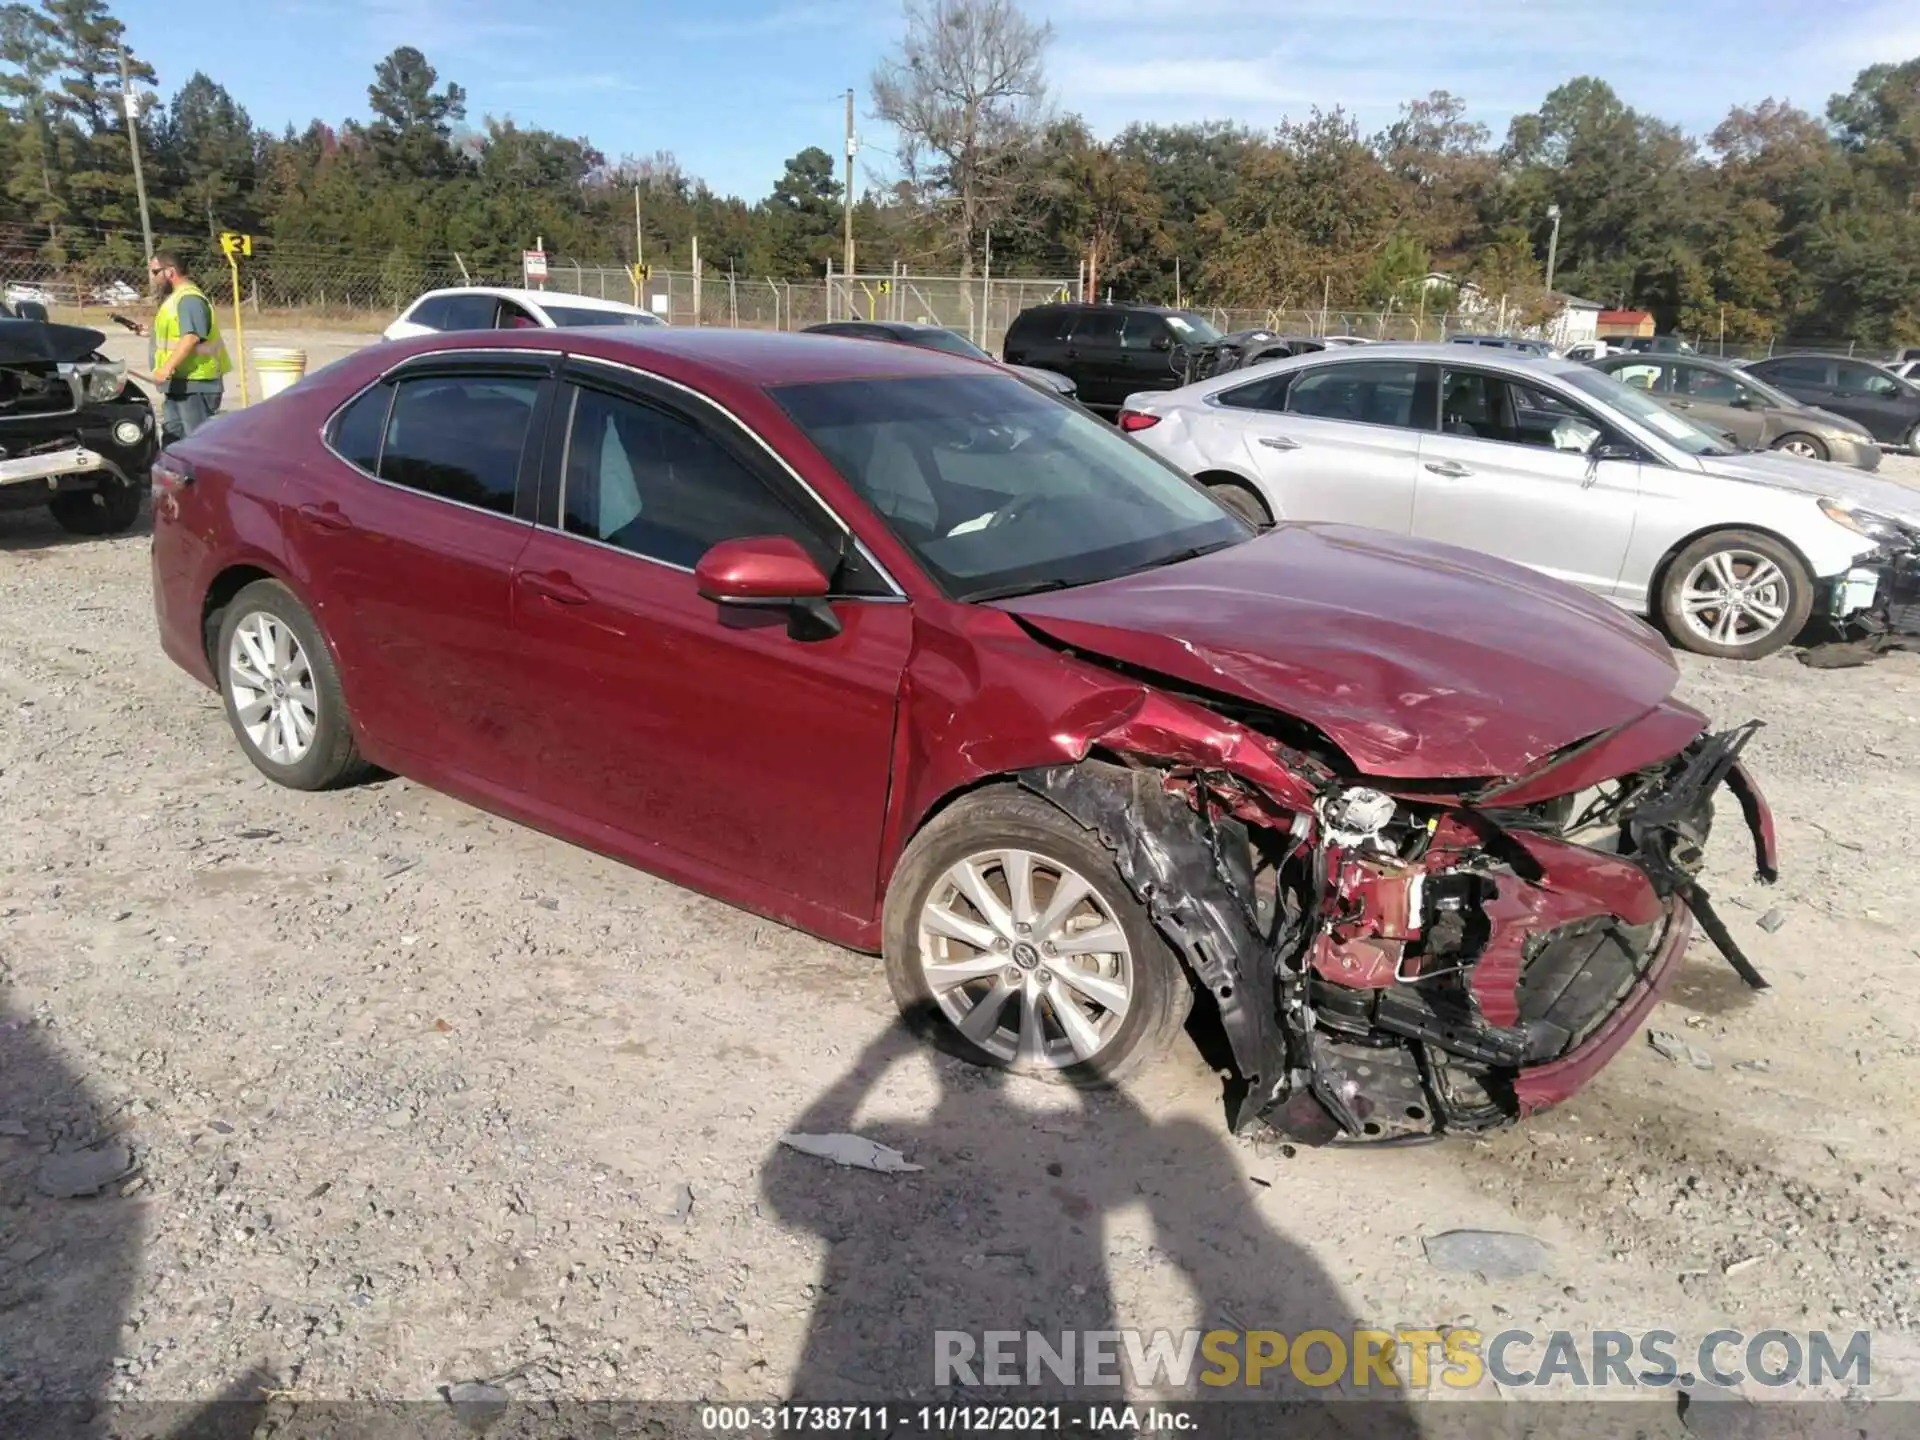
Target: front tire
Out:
[282,693]
[1085,994]
[109,510]
[1735,594]
[1807,447]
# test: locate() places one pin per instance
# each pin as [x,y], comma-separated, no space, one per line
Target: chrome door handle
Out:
[1452,469]
[1279,442]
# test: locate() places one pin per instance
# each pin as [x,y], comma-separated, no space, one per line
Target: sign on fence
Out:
[533,264]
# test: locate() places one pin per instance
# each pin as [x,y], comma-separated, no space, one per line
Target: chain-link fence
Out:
[311,284]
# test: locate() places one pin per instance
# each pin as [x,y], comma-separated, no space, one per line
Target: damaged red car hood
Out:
[1419,660]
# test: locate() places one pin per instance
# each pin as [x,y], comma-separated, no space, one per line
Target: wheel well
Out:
[1659,578]
[226,585]
[1211,478]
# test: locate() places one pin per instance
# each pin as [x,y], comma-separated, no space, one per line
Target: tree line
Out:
[1779,224]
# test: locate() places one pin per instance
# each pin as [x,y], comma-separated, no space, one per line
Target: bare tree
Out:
[965,91]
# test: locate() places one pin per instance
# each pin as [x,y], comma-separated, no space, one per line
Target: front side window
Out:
[1482,406]
[653,483]
[1677,430]
[516,317]
[1139,332]
[460,437]
[1860,380]
[1369,392]
[1710,385]
[1000,490]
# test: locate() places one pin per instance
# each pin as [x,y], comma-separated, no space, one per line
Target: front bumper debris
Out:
[1448,969]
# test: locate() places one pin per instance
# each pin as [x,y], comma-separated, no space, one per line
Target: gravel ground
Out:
[383,1095]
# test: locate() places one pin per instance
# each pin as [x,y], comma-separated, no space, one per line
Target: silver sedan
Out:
[1554,465]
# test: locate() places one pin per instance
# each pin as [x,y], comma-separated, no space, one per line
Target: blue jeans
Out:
[181,415]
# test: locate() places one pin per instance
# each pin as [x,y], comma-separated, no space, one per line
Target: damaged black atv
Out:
[75,434]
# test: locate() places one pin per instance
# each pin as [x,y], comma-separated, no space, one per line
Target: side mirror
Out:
[769,570]
[1625,453]
[1741,402]
[30,310]
[1161,342]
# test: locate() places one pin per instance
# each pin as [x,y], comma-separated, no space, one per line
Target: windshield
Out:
[999,490]
[946,341]
[1676,430]
[573,317]
[1192,329]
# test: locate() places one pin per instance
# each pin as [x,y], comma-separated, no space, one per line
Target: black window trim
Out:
[1426,376]
[534,364]
[630,382]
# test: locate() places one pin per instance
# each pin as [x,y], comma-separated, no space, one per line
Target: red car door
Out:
[698,741]
[404,538]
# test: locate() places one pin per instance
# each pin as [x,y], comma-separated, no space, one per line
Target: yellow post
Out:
[235,246]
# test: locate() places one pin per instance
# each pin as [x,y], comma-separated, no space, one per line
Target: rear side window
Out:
[431,312]
[1099,327]
[1267,394]
[1375,392]
[460,437]
[358,431]
[1035,326]
[1805,372]
[468,312]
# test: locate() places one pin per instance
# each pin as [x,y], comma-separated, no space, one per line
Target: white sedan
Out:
[1554,465]
[489,307]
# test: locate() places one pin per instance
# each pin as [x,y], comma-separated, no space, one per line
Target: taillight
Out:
[1131,420]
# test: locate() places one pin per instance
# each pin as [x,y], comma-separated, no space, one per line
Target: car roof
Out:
[1438,352]
[541,298]
[758,359]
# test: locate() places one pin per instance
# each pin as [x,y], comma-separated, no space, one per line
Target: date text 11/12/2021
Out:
[947,1419]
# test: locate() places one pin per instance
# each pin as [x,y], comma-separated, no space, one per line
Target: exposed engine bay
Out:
[1389,965]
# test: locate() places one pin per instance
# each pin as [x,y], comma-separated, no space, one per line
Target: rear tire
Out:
[282,693]
[1243,500]
[1807,447]
[1006,980]
[109,510]
[1735,594]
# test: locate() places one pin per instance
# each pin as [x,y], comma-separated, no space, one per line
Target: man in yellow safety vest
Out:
[189,360]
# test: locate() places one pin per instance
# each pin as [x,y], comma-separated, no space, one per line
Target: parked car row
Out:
[894,646]
[1557,466]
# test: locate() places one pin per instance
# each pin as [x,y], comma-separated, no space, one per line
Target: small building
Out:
[1624,324]
[1578,320]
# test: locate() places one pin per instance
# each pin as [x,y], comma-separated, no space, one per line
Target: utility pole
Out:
[1553,245]
[639,235]
[131,102]
[846,198]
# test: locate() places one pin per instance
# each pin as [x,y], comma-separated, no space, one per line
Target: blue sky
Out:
[733,87]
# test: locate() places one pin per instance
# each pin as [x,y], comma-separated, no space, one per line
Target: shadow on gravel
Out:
[25,531]
[69,1241]
[1006,1228]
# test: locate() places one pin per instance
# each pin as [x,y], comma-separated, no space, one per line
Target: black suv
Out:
[1864,392]
[75,434]
[1108,351]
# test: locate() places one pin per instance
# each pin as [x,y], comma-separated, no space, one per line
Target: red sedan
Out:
[888,645]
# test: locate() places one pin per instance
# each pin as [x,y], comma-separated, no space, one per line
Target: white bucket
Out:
[278,369]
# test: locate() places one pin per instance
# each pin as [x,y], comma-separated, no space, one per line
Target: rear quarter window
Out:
[1038,326]
[358,430]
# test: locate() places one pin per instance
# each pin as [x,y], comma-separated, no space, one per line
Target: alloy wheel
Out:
[1803,448]
[1026,959]
[1735,597]
[272,685]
